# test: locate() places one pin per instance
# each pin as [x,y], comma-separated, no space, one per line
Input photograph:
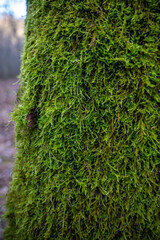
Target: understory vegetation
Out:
[87,123]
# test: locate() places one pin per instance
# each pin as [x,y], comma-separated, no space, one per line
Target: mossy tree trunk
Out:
[87,124]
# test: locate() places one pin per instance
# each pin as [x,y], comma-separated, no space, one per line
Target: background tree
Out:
[87,125]
[11,41]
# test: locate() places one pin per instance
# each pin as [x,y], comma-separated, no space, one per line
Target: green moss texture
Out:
[87,123]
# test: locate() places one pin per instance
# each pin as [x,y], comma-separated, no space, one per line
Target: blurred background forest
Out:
[11,42]
[12,15]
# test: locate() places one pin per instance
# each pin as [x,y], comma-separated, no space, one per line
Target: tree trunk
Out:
[87,124]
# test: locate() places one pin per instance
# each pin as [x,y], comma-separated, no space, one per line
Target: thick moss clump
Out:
[87,124]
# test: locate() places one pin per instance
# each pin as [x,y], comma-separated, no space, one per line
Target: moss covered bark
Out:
[87,124]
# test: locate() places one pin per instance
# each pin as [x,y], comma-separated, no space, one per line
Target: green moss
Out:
[89,166]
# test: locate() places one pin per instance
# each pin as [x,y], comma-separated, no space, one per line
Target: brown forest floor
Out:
[7,149]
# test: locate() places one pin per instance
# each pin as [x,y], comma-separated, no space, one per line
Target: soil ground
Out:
[8,90]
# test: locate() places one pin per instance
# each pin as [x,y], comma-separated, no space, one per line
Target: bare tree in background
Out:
[11,41]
